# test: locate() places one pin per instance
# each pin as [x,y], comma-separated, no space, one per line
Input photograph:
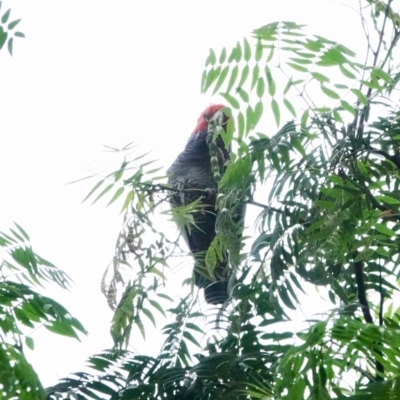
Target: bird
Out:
[192,180]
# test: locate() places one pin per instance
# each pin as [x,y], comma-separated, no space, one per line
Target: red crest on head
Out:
[202,122]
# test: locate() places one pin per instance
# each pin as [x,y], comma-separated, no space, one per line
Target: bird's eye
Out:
[205,116]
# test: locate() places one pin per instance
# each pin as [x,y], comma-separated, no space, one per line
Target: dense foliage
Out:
[326,185]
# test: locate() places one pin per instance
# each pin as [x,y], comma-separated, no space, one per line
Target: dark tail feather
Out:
[216,292]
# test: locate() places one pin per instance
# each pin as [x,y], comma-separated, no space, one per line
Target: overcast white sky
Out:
[96,72]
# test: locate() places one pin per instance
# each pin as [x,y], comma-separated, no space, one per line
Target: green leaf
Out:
[382,228]
[212,75]
[346,72]
[10,46]
[243,94]
[222,57]
[128,200]
[260,87]
[247,50]
[259,50]
[346,106]
[238,55]
[297,67]
[336,116]
[232,56]
[221,79]
[304,118]
[13,24]
[3,37]
[190,337]
[240,121]
[320,77]
[212,58]
[249,119]
[271,54]
[329,205]
[5,16]
[62,328]
[290,107]
[288,86]
[203,80]
[157,306]
[256,74]
[244,75]
[387,199]
[117,194]
[360,96]
[329,92]
[107,189]
[232,78]
[30,343]
[380,73]
[231,100]
[257,113]
[270,81]
[149,315]
[98,184]
[297,145]
[18,34]
[24,234]
[276,112]
[333,56]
